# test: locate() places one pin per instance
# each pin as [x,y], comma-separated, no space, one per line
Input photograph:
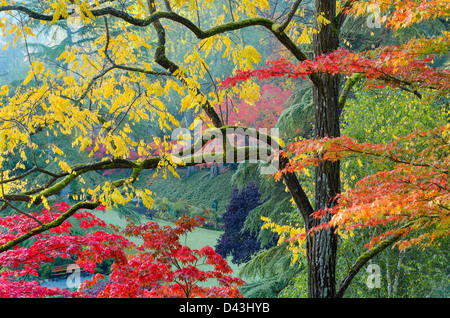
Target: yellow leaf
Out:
[359,162]
[6,45]
[28,30]
[305,37]
[57,150]
[306,172]
[4,90]
[23,155]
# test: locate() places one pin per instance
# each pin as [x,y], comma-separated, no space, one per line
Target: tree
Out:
[160,267]
[263,114]
[236,241]
[101,84]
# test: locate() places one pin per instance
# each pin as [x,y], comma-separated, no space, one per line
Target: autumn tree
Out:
[159,267]
[131,74]
[263,114]
[236,241]
[379,72]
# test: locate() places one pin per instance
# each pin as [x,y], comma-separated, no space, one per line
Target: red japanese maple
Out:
[161,266]
[395,66]
[263,114]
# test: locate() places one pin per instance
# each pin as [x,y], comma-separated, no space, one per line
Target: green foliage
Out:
[272,272]
[381,116]
[297,119]
[413,273]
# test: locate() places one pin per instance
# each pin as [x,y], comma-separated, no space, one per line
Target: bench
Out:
[60,270]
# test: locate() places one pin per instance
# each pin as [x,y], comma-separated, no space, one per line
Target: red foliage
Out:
[162,267]
[165,268]
[391,66]
[264,114]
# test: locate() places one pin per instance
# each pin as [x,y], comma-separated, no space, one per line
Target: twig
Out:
[12,206]
[289,17]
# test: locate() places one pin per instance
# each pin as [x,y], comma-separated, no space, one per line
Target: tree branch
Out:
[47,226]
[361,261]
[351,81]
[291,14]
[364,258]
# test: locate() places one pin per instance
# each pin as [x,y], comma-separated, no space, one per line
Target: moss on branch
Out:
[47,226]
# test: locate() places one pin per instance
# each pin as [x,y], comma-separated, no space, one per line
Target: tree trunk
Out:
[322,245]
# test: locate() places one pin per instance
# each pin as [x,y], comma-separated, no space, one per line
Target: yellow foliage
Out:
[82,96]
[294,236]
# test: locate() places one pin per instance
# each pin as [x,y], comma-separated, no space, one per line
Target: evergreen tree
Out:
[238,242]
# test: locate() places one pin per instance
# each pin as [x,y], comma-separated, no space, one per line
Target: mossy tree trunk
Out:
[322,245]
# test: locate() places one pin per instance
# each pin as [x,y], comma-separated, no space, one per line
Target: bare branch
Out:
[289,17]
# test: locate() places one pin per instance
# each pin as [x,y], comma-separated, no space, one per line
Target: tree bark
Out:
[321,246]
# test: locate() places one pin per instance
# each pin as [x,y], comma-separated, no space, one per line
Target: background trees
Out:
[140,64]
